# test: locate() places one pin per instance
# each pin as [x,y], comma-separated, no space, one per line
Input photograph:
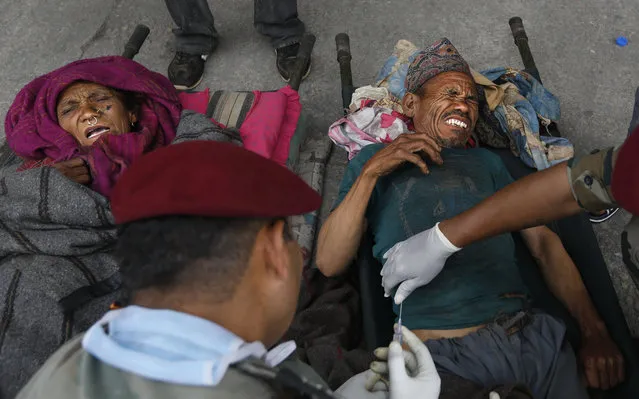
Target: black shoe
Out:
[602,217]
[186,70]
[286,60]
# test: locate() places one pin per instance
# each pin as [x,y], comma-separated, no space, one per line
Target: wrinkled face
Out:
[447,110]
[89,110]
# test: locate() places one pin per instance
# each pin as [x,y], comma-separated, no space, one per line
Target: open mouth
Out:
[96,131]
[457,122]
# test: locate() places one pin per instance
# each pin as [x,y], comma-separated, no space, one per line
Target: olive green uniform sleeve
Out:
[590,177]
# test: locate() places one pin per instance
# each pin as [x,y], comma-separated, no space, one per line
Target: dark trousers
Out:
[537,356]
[196,34]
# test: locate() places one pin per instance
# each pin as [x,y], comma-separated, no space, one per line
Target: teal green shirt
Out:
[477,283]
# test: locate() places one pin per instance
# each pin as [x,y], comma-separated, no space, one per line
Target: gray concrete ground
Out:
[573,43]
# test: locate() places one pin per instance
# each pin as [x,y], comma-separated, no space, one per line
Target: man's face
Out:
[447,110]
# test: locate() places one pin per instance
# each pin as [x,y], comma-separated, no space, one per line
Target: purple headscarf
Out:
[33,132]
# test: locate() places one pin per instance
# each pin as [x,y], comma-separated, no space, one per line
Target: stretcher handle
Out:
[343,43]
[521,40]
[136,40]
[303,57]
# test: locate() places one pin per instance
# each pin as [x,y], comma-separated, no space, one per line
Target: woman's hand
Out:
[74,169]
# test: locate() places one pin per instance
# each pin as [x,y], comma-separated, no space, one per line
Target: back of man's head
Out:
[204,233]
[182,255]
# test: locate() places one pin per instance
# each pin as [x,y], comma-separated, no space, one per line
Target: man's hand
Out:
[74,169]
[603,363]
[415,261]
[406,374]
[404,148]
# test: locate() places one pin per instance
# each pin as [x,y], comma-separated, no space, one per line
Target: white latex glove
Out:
[415,262]
[412,373]
[355,388]
[420,367]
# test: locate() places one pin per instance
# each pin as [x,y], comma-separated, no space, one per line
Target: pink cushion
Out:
[268,127]
[289,125]
[197,101]
[262,125]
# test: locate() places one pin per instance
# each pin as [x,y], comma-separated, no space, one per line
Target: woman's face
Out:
[89,110]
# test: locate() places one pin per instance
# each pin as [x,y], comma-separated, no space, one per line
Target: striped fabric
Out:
[230,107]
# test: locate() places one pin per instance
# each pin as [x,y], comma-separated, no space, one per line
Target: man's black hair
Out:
[189,252]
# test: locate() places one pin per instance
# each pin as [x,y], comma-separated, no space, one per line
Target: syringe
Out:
[397,336]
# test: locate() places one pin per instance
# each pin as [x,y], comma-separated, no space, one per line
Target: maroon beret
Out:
[625,175]
[207,178]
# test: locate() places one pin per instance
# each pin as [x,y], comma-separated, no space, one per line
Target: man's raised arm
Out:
[342,232]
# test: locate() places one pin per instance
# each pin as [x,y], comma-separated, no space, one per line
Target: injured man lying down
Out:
[473,315]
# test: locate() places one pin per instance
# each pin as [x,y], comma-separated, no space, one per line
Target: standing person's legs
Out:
[195,38]
[195,33]
[278,20]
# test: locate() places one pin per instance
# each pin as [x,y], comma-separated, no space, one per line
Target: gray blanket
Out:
[57,271]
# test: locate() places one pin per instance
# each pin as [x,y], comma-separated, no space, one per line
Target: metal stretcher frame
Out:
[377,312]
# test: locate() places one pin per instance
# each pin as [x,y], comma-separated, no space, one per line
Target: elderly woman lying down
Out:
[76,130]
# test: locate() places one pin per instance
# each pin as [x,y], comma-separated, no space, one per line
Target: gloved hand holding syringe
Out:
[407,373]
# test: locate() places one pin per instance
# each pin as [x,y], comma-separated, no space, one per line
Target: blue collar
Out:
[170,346]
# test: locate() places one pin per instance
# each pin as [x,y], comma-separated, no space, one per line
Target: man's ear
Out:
[409,103]
[275,247]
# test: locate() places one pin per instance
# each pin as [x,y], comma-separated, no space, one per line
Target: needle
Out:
[397,336]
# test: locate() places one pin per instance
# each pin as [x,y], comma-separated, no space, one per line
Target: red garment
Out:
[208,178]
[625,176]
[33,132]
